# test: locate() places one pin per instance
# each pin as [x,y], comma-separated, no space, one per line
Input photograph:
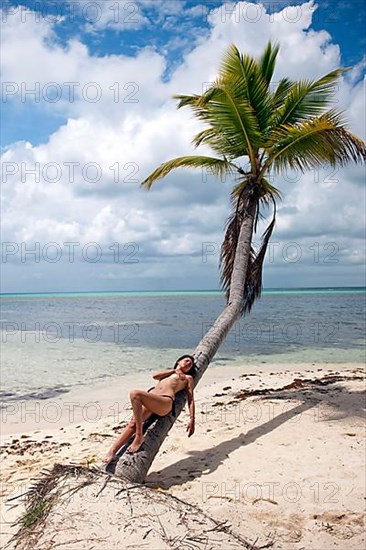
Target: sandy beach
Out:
[278,455]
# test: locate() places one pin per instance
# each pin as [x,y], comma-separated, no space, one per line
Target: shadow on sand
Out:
[338,401]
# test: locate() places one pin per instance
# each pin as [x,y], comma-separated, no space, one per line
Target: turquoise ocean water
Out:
[53,342]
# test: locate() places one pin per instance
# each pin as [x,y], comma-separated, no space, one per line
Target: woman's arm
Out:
[159,375]
[190,389]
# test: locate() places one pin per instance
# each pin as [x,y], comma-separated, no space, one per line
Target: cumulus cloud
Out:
[82,185]
[68,79]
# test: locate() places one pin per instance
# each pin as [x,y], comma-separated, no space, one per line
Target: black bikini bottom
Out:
[173,404]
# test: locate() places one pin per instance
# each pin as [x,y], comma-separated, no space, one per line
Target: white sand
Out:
[287,466]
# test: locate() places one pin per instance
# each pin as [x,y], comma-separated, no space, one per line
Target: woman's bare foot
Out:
[110,456]
[136,443]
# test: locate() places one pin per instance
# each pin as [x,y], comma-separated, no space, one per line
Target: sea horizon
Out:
[218,292]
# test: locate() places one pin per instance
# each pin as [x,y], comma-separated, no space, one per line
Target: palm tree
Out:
[269,130]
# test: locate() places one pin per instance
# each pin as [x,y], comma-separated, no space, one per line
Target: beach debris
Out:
[265,500]
[58,514]
[298,383]
[90,459]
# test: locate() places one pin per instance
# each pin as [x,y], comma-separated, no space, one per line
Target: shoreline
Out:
[278,451]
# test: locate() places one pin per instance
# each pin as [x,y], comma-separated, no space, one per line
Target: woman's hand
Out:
[159,375]
[181,375]
[190,427]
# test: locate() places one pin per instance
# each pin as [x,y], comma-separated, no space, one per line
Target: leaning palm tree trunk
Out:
[134,467]
[274,130]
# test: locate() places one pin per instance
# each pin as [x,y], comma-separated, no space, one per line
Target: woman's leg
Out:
[155,403]
[125,435]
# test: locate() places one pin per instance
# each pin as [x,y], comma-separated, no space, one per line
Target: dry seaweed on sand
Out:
[57,514]
[297,383]
[41,497]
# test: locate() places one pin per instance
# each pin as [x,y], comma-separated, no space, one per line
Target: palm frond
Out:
[267,61]
[313,143]
[186,100]
[220,143]
[204,137]
[217,166]
[241,196]
[225,107]
[233,126]
[253,280]
[254,85]
[266,196]
[307,98]
[229,245]
[280,93]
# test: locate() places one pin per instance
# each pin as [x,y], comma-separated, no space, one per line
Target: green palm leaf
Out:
[267,62]
[220,143]
[254,84]
[306,99]
[218,167]
[282,90]
[313,143]
[186,100]
[232,124]
[229,112]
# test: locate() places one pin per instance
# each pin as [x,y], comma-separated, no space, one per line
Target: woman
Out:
[158,400]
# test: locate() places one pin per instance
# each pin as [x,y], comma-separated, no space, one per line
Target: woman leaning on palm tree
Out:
[253,130]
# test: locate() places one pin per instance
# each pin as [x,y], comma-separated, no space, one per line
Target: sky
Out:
[87,113]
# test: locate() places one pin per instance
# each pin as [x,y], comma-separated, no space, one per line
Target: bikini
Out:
[173,403]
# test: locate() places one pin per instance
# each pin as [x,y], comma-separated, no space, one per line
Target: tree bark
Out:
[134,467]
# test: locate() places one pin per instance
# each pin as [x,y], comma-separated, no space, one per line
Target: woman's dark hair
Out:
[192,371]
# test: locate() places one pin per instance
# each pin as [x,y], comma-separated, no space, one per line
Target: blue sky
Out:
[151,49]
[169,27]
